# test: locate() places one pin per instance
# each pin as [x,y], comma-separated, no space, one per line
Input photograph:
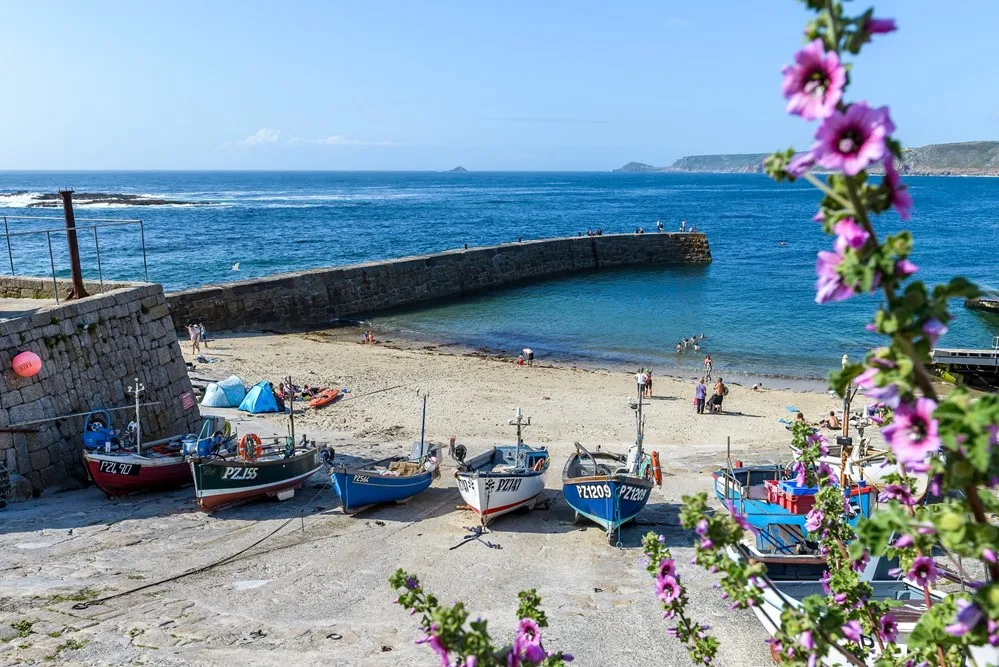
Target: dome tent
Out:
[259,399]
[215,397]
[234,388]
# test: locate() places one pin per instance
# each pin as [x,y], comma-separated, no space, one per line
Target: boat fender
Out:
[327,454]
[540,465]
[250,453]
[657,469]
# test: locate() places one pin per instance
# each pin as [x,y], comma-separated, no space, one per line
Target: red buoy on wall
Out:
[27,364]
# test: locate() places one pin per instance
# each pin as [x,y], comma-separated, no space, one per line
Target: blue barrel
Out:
[205,447]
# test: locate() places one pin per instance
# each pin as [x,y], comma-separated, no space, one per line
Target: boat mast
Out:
[519,423]
[639,428]
[423,425]
[137,389]
[291,409]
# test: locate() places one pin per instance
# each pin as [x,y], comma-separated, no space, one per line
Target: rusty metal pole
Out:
[74,249]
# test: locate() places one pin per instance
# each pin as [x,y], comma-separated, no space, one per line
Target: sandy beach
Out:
[316,592]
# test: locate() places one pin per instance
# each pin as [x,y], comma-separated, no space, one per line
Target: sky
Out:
[518,85]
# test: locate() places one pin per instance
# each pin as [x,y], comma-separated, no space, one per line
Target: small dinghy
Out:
[611,489]
[504,478]
[324,398]
[394,479]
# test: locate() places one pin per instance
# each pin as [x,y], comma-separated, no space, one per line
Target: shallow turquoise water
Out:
[754,302]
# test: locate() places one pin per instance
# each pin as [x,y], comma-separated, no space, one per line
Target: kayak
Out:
[324,398]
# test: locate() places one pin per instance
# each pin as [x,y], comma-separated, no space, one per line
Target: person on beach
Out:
[679,348]
[831,422]
[648,383]
[720,391]
[202,334]
[700,393]
[758,386]
[520,360]
[529,354]
[195,335]
[708,364]
[640,380]
[800,417]
[279,398]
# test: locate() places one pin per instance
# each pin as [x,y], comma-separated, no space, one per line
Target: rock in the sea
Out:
[49,200]
[458,170]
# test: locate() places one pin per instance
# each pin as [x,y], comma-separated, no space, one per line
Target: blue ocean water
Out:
[754,302]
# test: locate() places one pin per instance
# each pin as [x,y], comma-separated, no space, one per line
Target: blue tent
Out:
[259,399]
[234,390]
[215,397]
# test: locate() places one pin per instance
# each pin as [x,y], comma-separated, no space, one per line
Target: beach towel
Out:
[791,408]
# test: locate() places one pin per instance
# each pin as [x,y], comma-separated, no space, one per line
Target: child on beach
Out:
[195,335]
[648,383]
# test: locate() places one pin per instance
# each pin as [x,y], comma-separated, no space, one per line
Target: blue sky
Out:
[428,85]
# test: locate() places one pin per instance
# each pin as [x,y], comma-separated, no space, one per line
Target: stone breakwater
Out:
[319,296]
[91,351]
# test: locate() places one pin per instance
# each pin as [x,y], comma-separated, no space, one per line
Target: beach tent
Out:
[235,390]
[259,399]
[215,397]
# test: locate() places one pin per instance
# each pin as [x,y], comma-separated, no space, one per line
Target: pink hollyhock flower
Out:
[860,564]
[702,527]
[933,329]
[866,381]
[824,580]
[800,473]
[471,661]
[807,641]
[913,433]
[898,194]
[667,589]
[436,644]
[923,571]
[739,519]
[876,26]
[851,630]
[904,268]
[667,567]
[989,555]
[534,654]
[851,141]
[528,632]
[813,521]
[968,616]
[830,285]
[814,84]
[851,234]
[898,492]
[888,627]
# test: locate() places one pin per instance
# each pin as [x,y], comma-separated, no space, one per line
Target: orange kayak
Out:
[324,398]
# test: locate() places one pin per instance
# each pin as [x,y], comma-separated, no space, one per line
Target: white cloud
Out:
[263,136]
[270,137]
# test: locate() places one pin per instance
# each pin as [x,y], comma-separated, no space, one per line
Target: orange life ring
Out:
[245,452]
[657,469]
[539,465]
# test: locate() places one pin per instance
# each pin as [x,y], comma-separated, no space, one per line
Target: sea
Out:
[754,303]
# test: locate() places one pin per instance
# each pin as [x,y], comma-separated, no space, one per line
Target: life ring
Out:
[657,469]
[250,453]
[539,465]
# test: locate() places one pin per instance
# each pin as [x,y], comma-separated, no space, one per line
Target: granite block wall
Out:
[91,350]
[316,297]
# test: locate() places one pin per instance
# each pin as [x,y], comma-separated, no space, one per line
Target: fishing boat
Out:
[504,478]
[610,489]
[224,477]
[853,463]
[790,579]
[394,479]
[121,463]
[256,471]
[777,507]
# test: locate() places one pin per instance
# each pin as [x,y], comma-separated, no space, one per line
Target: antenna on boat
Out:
[291,408]
[423,423]
[137,389]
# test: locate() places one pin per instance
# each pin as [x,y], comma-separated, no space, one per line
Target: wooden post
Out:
[74,249]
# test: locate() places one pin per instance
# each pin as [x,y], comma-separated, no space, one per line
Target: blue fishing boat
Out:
[610,489]
[777,507]
[393,479]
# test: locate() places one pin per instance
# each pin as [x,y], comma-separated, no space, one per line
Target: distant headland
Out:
[457,170]
[972,158]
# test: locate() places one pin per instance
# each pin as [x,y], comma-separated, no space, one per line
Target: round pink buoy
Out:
[27,364]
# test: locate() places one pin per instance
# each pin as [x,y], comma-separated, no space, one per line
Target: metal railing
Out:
[98,223]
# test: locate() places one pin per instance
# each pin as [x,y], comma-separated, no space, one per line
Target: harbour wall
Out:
[91,351]
[319,296]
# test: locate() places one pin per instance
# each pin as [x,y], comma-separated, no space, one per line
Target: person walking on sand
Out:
[529,353]
[203,335]
[648,383]
[640,379]
[195,335]
[708,364]
[700,393]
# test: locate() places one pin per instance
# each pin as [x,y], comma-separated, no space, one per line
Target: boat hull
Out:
[491,495]
[219,483]
[360,488]
[607,500]
[121,475]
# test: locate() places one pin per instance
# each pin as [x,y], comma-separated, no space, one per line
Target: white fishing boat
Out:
[504,478]
[861,462]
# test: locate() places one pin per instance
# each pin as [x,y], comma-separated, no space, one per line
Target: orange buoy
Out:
[657,469]
[27,364]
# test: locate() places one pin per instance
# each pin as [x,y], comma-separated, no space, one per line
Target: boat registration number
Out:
[361,479]
[118,468]
[240,473]
[601,491]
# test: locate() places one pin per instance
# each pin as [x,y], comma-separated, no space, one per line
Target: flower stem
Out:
[978,510]
[826,190]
